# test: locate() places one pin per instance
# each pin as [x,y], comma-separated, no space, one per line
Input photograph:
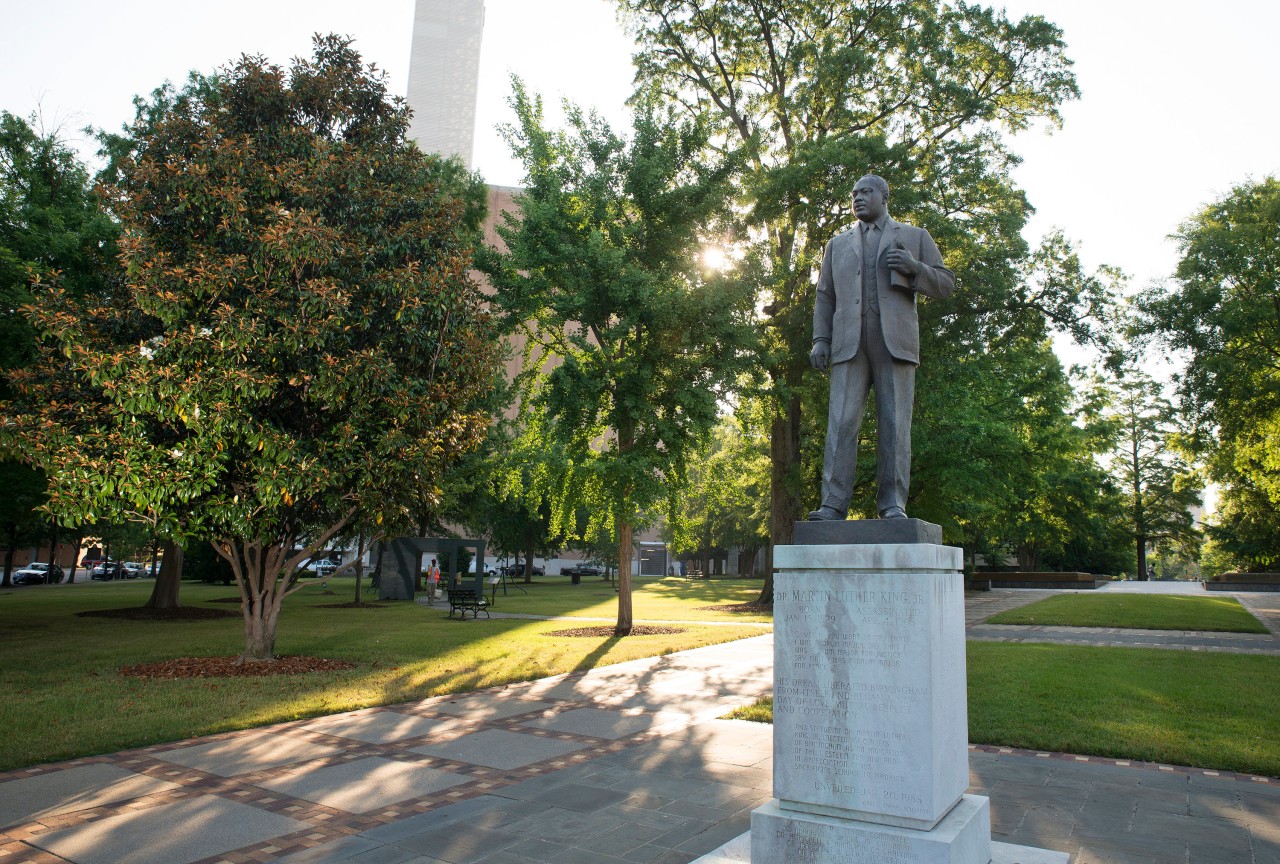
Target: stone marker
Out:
[870,717]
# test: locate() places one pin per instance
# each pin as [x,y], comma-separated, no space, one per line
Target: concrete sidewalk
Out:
[626,763]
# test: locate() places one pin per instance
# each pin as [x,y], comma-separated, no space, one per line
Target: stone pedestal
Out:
[869,704]
[870,711]
[870,708]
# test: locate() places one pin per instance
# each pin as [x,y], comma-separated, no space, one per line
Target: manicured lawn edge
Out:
[1136,611]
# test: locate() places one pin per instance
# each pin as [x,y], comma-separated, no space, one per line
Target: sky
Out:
[1177,97]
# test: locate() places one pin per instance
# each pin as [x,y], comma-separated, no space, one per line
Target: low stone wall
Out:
[986,581]
[1236,581]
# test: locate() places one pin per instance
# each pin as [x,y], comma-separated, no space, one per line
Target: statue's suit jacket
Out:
[837,313]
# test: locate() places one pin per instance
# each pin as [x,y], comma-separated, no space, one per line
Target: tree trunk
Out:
[7,580]
[260,633]
[53,547]
[624,625]
[359,568]
[258,568]
[164,592]
[75,558]
[528,558]
[785,502]
[375,581]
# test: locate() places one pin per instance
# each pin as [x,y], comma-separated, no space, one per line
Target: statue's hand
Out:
[820,356]
[900,259]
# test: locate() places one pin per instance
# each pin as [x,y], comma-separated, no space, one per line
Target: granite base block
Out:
[738,851]
[869,703]
[866,531]
[962,837]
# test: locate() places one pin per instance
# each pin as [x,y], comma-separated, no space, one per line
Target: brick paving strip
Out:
[324,824]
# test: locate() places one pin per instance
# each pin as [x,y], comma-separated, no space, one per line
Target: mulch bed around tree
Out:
[746,608]
[182,613]
[605,630]
[227,667]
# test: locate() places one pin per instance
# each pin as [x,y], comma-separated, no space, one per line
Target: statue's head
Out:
[870,198]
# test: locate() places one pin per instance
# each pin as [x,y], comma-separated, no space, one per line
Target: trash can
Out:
[575,578]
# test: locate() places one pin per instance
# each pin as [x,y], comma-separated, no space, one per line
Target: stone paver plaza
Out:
[626,763]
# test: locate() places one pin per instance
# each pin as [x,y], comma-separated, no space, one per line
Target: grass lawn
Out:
[1219,711]
[64,696]
[1137,611]
[668,598]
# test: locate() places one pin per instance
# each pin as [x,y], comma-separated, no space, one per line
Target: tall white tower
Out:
[444,69]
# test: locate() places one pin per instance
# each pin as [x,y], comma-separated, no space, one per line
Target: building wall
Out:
[444,70]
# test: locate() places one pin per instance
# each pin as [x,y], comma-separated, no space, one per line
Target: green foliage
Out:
[1005,460]
[49,223]
[1222,312]
[297,344]
[812,95]
[628,344]
[1158,485]
[724,503]
[1245,530]
[299,337]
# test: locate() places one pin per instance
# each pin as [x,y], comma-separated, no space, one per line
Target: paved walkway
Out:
[626,763]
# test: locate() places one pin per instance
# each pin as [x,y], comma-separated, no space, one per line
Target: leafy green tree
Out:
[298,348]
[490,493]
[628,343]
[815,94]
[1244,533]
[1221,312]
[725,500]
[49,222]
[1160,487]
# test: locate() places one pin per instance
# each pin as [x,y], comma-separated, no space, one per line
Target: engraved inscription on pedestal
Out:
[869,702]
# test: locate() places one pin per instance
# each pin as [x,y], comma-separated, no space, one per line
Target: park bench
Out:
[463,599]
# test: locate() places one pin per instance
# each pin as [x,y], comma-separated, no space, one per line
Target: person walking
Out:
[433,582]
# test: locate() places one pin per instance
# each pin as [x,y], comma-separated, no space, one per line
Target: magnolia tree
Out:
[296,346]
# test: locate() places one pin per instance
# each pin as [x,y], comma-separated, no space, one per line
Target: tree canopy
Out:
[50,223]
[297,343]
[1220,311]
[629,344]
[811,96]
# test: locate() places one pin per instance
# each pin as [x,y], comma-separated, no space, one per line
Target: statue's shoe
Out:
[826,514]
[894,513]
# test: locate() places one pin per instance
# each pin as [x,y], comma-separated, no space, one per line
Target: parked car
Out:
[38,574]
[584,568]
[489,570]
[325,567]
[518,570]
[89,563]
[133,569]
[106,570]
